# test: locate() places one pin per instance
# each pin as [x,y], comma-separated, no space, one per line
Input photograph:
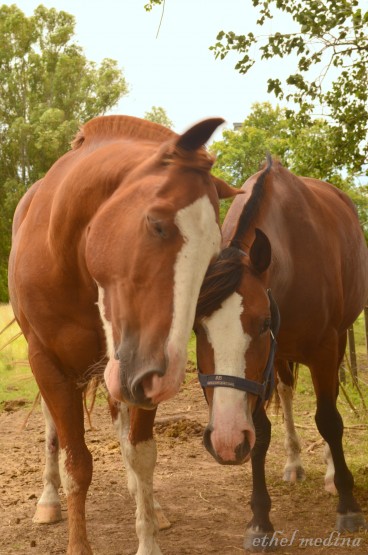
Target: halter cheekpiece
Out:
[264,389]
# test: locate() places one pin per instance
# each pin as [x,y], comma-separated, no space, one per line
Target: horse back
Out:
[319,269]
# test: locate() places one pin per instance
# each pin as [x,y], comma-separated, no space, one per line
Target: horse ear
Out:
[260,252]
[224,190]
[199,134]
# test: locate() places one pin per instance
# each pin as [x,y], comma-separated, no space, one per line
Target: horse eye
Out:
[266,325]
[157,227]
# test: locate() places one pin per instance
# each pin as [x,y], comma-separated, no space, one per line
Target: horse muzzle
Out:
[130,389]
[232,450]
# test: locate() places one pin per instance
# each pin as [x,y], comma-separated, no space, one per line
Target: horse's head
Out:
[148,249]
[236,320]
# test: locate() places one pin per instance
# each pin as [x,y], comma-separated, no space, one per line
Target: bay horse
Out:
[108,255]
[294,264]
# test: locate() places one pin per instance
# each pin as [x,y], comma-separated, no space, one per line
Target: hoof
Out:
[259,542]
[47,514]
[163,523]
[350,522]
[294,474]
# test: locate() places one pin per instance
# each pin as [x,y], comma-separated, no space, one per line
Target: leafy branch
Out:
[330,35]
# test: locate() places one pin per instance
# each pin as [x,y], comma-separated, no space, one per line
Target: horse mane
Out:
[224,276]
[120,127]
[251,208]
[106,128]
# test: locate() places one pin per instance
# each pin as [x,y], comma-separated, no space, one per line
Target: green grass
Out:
[355,439]
[16,379]
[360,346]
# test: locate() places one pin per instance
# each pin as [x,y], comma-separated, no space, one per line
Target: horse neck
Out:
[89,179]
[269,216]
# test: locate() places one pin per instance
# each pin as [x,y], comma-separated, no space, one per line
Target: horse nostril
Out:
[142,382]
[242,450]
[137,391]
[116,355]
[207,441]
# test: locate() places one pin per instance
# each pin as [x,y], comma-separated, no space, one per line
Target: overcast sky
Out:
[176,71]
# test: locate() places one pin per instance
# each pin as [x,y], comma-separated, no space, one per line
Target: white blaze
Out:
[229,417]
[200,231]
[229,342]
[202,238]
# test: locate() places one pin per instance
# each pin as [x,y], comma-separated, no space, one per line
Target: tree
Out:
[47,90]
[159,115]
[308,150]
[241,151]
[330,42]
[330,35]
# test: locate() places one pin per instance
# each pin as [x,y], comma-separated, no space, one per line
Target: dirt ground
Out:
[207,504]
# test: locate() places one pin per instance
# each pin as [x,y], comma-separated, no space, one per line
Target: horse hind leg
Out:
[134,429]
[330,425]
[293,470]
[48,508]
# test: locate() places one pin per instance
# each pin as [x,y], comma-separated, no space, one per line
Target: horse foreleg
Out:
[48,507]
[120,419]
[259,530]
[134,428]
[293,470]
[64,401]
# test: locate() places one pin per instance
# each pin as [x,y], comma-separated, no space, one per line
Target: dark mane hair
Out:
[251,208]
[221,280]
[223,277]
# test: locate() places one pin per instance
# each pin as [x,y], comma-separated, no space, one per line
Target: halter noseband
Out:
[264,389]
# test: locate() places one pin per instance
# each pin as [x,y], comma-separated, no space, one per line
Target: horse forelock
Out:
[120,127]
[223,277]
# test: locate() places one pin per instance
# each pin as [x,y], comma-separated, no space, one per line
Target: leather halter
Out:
[264,389]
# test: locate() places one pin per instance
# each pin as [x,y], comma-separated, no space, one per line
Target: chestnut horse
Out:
[292,247]
[109,252]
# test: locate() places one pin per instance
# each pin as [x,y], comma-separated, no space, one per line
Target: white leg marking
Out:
[70,486]
[48,506]
[293,470]
[330,472]
[140,462]
[230,415]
